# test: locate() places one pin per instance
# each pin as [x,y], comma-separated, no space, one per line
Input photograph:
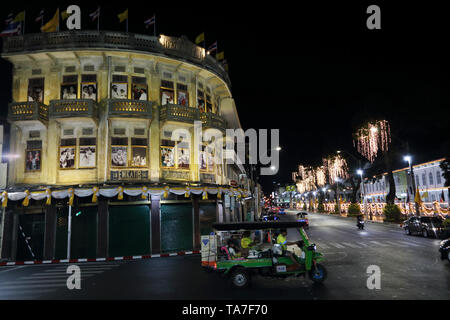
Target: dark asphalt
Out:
[410,269]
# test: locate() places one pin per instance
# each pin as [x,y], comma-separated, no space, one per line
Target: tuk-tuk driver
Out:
[246,243]
[281,240]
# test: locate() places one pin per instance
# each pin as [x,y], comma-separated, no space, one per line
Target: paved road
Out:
[410,269]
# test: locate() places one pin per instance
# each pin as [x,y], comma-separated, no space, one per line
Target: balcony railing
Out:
[211,120]
[20,111]
[73,108]
[129,108]
[82,39]
[174,112]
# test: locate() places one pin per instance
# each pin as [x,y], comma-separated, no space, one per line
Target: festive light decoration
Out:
[336,167]
[373,137]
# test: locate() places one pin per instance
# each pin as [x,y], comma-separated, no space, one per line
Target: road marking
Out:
[363,244]
[7,295]
[409,243]
[48,272]
[380,244]
[20,282]
[397,243]
[25,287]
[324,246]
[43,277]
[4,271]
[337,245]
[352,245]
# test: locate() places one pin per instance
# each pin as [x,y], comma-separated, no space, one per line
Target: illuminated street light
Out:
[360,172]
[407,158]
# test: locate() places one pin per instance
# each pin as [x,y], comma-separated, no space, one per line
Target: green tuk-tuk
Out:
[267,259]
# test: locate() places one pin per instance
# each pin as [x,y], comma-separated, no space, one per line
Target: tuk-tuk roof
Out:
[258,225]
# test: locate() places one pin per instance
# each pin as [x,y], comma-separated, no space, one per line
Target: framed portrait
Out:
[68,91]
[139,89]
[210,159]
[167,157]
[183,158]
[119,156]
[89,91]
[139,156]
[208,104]
[200,100]
[33,160]
[36,90]
[166,96]
[119,90]
[87,158]
[67,157]
[203,163]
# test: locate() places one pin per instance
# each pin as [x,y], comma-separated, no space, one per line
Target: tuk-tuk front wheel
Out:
[240,278]
[318,274]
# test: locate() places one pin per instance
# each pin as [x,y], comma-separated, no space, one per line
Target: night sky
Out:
[313,71]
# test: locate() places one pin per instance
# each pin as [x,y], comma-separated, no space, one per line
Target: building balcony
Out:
[122,108]
[211,120]
[174,112]
[173,47]
[74,108]
[28,111]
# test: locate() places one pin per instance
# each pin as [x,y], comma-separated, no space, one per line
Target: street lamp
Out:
[408,158]
[337,195]
[363,196]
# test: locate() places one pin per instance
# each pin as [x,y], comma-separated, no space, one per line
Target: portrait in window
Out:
[167,92]
[119,156]
[67,157]
[183,158]
[139,156]
[36,90]
[200,100]
[139,88]
[33,160]
[89,91]
[167,157]
[87,156]
[182,95]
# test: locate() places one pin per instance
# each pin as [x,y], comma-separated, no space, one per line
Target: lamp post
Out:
[362,192]
[408,158]
[337,195]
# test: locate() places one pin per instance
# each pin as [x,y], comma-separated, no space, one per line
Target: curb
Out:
[55,261]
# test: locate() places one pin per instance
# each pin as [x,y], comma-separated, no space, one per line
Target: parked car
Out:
[444,249]
[426,226]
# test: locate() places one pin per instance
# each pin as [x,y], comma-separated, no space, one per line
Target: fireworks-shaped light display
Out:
[336,167]
[372,138]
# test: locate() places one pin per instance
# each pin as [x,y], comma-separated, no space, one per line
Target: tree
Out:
[445,166]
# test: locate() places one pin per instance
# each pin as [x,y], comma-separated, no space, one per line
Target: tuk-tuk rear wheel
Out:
[240,278]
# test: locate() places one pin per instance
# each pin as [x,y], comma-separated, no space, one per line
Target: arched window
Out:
[417,180]
[438,177]
[430,175]
[424,179]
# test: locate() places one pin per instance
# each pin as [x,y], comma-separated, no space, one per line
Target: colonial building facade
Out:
[111,126]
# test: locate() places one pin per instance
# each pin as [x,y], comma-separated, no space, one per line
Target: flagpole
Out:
[127,22]
[154,27]
[23,28]
[98,19]
[42,19]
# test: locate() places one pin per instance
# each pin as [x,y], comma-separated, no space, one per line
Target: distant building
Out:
[428,178]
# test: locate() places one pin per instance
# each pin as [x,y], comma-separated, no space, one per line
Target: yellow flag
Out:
[20,17]
[220,56]
[53,24]
[200,38]
[64,15]
[123,16]
[417,198]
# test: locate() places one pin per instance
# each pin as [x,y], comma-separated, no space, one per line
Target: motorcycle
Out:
[360,224]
